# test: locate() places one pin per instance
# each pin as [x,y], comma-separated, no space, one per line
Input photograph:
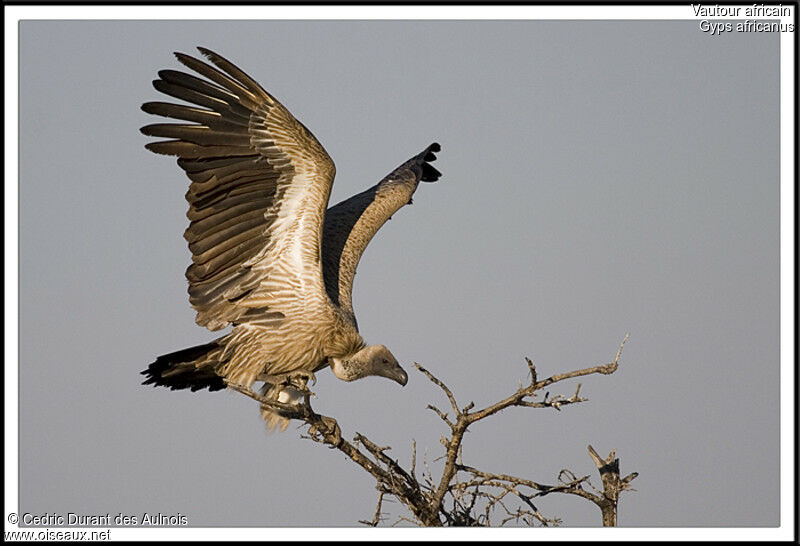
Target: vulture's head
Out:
[372,360]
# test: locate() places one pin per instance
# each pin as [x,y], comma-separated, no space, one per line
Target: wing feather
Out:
[260,183]
[351,224]
[198,115]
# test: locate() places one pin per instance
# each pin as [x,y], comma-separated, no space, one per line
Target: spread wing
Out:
[260,183]
[351,224]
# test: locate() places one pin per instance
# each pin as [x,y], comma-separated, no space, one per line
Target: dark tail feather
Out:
[181,370]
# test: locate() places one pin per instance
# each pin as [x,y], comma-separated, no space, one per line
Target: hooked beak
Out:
[401,376]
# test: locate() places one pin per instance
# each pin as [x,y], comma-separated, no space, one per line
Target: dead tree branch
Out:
[390,476]
[472,500]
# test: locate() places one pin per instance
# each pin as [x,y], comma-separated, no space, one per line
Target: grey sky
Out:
[598,178]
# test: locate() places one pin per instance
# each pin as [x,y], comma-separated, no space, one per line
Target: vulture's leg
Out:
[244,389]
[296,378]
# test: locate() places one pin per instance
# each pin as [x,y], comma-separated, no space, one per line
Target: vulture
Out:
[268,259]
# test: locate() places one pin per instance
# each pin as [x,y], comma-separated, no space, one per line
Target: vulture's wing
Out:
[260,185]
[351,224]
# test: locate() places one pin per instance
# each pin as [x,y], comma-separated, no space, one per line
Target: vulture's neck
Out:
[350,370]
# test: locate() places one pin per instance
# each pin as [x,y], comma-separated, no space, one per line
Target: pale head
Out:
[372,360]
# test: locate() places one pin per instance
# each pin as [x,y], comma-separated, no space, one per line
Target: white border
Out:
[11,409]
[13,14]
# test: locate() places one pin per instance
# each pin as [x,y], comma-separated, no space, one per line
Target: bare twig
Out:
[377,517]
[441,385]
[414,459]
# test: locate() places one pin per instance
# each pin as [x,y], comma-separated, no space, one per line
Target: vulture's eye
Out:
[385,361]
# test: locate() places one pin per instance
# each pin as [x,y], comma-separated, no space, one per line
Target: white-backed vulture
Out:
[267,258]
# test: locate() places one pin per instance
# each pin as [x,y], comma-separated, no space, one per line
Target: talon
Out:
[299,379]
[307,376]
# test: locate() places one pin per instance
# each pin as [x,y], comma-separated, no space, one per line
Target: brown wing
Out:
[260,183]
[351,224]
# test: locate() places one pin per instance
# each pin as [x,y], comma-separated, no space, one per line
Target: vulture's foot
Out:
[300,378]
[296,378]
[298,381]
